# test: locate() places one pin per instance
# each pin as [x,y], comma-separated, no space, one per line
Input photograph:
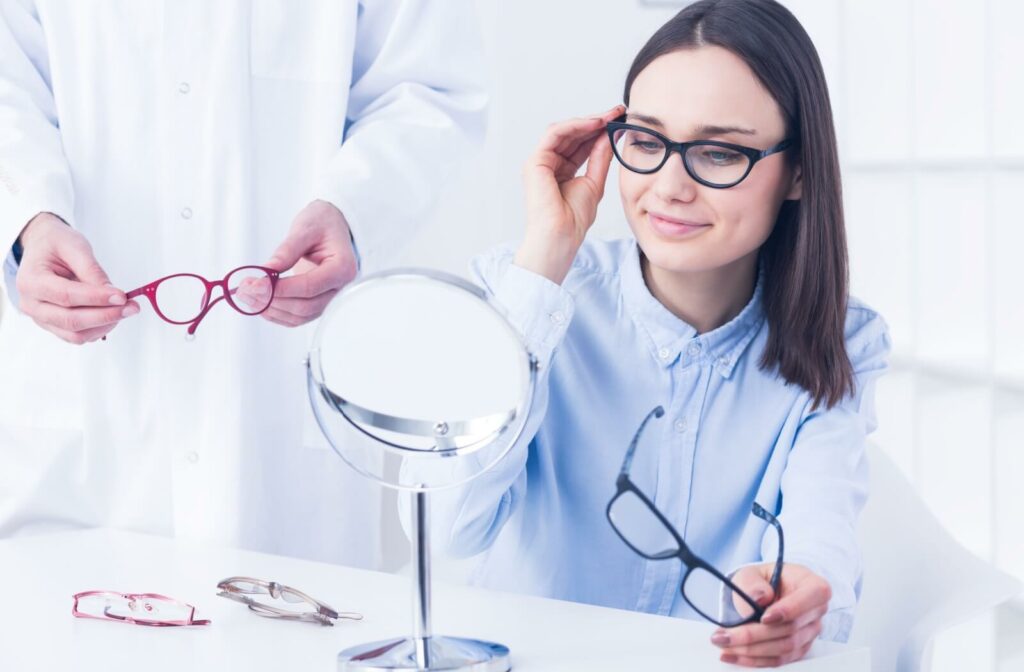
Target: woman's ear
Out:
[796,185]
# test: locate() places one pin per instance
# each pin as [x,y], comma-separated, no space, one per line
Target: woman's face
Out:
[682,226]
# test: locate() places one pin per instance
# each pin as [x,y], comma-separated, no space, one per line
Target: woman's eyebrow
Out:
[711,129]
[703,130]
[644,119]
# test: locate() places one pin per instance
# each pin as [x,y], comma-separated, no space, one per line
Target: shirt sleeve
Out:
[416,106]
[467,519]
[34,173]
[825,483]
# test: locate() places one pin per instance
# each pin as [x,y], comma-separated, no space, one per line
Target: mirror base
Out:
[451,654]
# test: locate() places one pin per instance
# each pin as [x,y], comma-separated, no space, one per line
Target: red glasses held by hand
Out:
[136,608]
[185,298]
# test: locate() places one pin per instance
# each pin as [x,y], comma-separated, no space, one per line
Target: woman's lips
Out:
[674,228]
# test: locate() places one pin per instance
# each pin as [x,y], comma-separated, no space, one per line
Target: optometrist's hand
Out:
[62,287]
[788,627]
[561,206]
[318,249]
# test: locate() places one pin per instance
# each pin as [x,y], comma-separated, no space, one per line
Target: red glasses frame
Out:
[132,597]
[149,291]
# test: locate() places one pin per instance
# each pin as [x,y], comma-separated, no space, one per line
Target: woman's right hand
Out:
[561,207]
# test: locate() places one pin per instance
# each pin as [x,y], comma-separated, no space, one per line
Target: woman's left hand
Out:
[788,627]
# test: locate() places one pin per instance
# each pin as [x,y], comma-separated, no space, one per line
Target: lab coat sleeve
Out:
[825,483]
[34,173]
[467,519]
[416,106]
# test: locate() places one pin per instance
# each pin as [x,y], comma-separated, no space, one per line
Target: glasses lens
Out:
[247,587]
[181,298]
[148,609]
[717,165]
[715,599]
[641,527]
[250,289]
[638,150]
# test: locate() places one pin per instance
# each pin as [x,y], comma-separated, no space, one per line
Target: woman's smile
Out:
[673,227]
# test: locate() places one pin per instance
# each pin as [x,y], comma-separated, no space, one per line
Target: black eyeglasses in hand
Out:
[645,529]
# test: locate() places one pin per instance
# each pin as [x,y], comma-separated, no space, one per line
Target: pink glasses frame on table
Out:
[191,620]
[149,291]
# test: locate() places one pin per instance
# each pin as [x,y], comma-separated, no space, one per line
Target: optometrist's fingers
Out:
[79,337]
[331,275]
[48,287]
[304,309]
[76,319]
[282,318]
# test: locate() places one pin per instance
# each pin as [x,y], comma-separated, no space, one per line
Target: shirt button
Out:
[192,456]
[664,353]
[680,426]
[557,317]
[184,87]
[694,349]
[186,213]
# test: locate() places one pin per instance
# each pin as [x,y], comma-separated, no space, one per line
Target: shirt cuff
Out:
[10,276]
[538,308]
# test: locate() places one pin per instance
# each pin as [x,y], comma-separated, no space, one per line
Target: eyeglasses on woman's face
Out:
[714,164]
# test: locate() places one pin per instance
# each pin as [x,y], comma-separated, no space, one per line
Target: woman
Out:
[729,310]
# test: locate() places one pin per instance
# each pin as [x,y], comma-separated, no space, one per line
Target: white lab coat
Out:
[183,136]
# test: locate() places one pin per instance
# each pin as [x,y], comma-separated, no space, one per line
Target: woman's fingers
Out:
[564,138]
[780,646]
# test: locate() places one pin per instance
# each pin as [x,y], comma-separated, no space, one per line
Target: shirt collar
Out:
[669,338]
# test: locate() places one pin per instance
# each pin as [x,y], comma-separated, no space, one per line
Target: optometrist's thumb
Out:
[753,581]
[78,255]
[293,248]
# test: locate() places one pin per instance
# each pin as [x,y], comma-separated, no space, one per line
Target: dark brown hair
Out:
[804,259]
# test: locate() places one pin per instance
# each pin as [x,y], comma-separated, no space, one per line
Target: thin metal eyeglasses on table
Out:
[301,607]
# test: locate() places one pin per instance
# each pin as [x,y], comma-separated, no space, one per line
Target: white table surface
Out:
[40,574]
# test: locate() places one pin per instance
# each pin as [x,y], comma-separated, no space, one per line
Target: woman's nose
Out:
[673,183]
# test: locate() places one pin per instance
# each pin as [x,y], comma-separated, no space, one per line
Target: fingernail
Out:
[118,299]
[758,594]
[771,617]
[728,658]
[720,639]
[129,310]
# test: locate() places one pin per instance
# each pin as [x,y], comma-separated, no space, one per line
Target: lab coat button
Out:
[680,426]
[192,456]
[664,353]
[694,349]
[184,87]
[557,317]
[186,213]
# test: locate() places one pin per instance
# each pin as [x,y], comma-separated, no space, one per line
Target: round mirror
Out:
[419,383]
[417,380]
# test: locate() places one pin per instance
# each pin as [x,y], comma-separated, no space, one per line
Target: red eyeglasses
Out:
[136,608]
[185,298]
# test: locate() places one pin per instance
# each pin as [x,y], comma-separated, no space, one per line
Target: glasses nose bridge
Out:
[211,285]
[673,181]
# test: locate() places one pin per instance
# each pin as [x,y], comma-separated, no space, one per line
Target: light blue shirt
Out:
[731,434]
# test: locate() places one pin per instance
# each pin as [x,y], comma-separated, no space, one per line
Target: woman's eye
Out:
[720,157]
[647,146]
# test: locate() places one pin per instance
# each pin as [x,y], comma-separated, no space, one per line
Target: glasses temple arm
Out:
[627,462]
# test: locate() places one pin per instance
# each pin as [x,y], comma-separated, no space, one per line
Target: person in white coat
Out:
[143,139]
